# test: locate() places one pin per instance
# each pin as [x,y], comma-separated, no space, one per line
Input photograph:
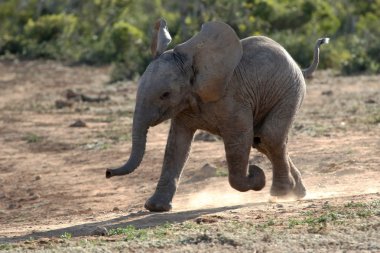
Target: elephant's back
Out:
[271,75]
[266,62]
[263,52]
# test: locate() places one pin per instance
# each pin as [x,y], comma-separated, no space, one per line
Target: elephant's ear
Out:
[161,38]
[213,54]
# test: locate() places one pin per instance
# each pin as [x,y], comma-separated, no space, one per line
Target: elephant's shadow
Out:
[139,220]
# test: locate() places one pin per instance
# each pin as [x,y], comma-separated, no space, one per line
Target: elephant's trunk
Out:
[139,132]
[308,73]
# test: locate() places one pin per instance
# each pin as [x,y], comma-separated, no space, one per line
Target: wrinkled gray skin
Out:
[246,91]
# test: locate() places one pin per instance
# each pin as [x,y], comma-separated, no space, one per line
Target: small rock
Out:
[208,170]
[110,239]
[79,123]
[298,127]
[204,136]
[257,159]
[115,209]
[100,231]
[37,178]
[59,104]
[326,204]
[82,109]
[370,101]
[205,172]
[98,99]
[70,94]
[43,240]
[34,196]
[14,206]
[75,96]
[280,206]
[327,93]
[312,206]
[267,238]
[200,220]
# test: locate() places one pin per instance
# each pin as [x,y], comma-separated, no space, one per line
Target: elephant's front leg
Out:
[176,154]
[238,146]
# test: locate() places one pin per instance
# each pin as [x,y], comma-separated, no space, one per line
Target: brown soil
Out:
[52,176]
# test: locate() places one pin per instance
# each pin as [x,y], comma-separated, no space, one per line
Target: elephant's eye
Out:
[165,95]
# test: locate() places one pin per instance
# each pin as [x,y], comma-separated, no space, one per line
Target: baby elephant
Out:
[246,91]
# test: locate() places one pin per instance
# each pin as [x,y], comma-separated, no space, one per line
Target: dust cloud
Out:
[222,196]
[212,197]
[339,192]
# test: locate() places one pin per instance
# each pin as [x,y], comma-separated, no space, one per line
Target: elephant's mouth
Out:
[168,113]
[165,115]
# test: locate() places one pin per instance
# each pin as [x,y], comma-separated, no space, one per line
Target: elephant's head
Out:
[197,71]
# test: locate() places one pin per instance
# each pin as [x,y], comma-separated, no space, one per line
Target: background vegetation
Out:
[118,31]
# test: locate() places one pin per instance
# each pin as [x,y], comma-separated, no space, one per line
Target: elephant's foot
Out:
[282,186]
[158,203]
[258,176]
[254,181]
[299,190]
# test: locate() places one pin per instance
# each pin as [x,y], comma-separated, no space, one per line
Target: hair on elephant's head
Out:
[196,71]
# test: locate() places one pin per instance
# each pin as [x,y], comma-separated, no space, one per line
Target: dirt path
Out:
[52,175]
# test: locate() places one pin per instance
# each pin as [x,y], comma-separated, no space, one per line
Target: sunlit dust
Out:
[224,196]
[212,197]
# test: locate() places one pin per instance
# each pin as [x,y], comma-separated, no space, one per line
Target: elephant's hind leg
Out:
[299,190]
[273,137]
[283,180]
[283,185]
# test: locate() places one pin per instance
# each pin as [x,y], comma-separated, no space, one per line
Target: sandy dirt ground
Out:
[52,175]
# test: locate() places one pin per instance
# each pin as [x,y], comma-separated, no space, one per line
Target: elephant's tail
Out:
[308,73]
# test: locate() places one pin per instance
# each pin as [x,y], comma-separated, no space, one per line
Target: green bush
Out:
[119,31]
[124,37]
[49,36]
[359,61]
[50,27]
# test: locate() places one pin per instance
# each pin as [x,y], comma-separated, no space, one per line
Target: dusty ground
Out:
[52,183]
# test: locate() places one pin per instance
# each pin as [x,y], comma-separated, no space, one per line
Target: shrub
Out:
[359,61]
[118,31]
[129,58]
[49,36]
